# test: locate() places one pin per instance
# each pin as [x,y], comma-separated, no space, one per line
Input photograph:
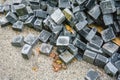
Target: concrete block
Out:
[66,57]
[26,51]
[63,41]
[101,61]
[108,34]
[18,26]
[11,17]
[18,41]
[110,48]
[110,69]
[89,56]
[58,16]
[44,36]
[46,48]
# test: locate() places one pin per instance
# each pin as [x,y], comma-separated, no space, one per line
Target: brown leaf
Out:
[52,55]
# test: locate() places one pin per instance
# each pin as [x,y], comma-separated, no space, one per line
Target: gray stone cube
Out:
[107,6]
[46,48]
[11,17]
[64,4]
[44,36]
[26,51]
[18,26]
[92,75]
[117,65]
[16,2]
[79,44]
[18,41]
[89,56]
[63,41]
[73,49]
[66,57]
[108,34]
[101,61]
[110,69]
[34,2]
[1,8]
[30,21]
[80,16]
[3,21]
[108,19]
[110,48]
[58,16]
[23,18]
[29,10]
[38,24]
[94,12]
[80,1]
[118,10]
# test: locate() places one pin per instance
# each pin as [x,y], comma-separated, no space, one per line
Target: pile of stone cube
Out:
[50,17]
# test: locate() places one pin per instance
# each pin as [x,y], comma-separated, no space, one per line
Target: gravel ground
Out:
[14,67]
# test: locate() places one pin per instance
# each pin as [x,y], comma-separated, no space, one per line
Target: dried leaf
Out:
[58,61]
[69,29]
[56,66]
[52,55]
[35,68]
[37,50]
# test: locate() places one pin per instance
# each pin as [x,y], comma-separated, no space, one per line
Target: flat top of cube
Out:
[26,48]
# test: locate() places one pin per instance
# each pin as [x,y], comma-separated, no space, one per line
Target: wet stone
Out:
[18,26]
[26,51]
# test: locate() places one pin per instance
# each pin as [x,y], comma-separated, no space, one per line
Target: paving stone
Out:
[91,34]
[80,25]
[13,9]
[108,34]
[117,65]
[16,2]
[94,12]
[44,36]
[3,22]
[80,1]
[116,27]
[52,3]
[64,4]
[38,24]
[43,5]
[35,6]
[26,51]
[1,8]
[66,57]
[108,19]
[50,9]
[40,13]
[80,16]
[21,10]
[7,7]
[18,41]
[78,43]
[92,75]
[18,26]
[23,18]
[110,48]
[58,16]
[29,10]
[114,58]
[89,56]
[53,38]
[110,69]
[63,41]
[11,17]
[75,9]
[30,21]
[101,60]
[61,49]
[96,42]
[72,49]
[90,4]
[107,6]
[29,39]
[55,28]
[79,57]
[34,1]
[118,78]
[46,48]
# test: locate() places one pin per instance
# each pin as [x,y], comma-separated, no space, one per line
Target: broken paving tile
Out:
[66,57]
[26,51]
[46,48]
[18,41]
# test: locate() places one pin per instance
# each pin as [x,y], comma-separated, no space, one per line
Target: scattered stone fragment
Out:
[101,61]
[44,36]
[110,48]
[110,69]
[63,41]
[58,16]
[89,56]
[66,57]
[108,34]
[92,75]
[11,17]
[26,51]
[46,48]
[18,41]
[18,26]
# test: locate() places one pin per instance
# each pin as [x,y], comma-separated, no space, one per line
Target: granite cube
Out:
[29,10]
[18,26]
[64,4]
[117,65]
[11,17]
[110,69]
[46,48]
[72,49]
[108,34]
[26,51]
[3,21]
[110,48]
[92,75]
[17,2]
[30,21]
[58,16]
[89,56]
[101,61]
[23,18]
[80,1]
[118,10]
[66,57]
[108,19]
[80,16]
[1,8]
[18,41]
[38,24]
[44,36]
